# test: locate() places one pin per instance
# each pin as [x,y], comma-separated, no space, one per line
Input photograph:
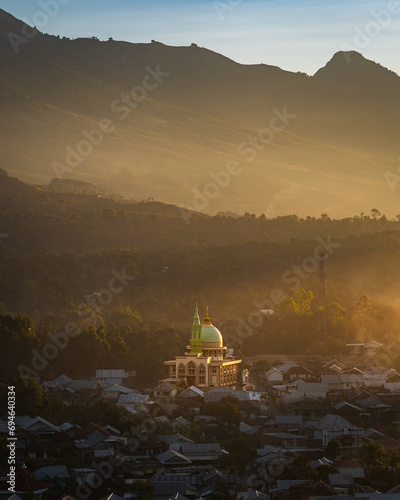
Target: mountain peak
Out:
[349,63]
[357,76]
[343,62]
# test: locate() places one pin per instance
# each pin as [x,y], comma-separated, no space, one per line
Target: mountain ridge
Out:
[200,117]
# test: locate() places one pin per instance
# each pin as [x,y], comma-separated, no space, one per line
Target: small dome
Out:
[211,334]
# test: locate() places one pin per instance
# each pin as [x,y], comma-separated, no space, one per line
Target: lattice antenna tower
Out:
[322,329]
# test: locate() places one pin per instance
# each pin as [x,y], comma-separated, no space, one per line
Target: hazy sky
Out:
[296,35]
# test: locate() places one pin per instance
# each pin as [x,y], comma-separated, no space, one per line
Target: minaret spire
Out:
[195,341]
[207,320]
[196,318]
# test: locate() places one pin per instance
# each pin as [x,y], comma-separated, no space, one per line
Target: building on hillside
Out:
[205,363]
[371,348]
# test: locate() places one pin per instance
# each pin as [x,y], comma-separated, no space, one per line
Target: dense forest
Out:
[128,273]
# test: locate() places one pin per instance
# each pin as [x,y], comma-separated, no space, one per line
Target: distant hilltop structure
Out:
[205,364]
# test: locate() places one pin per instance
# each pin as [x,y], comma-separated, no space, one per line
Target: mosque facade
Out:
[205,364]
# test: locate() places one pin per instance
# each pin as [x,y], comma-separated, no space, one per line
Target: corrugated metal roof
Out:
[84,385]
[120,389]
[321,461]
[176,478]
[341,479]
[334,423]
[247,429]
[22,420]
[392,386]
[201,449]
[111,374]
[173,438]
[247,395]
[345,404]
[64,379]
[171,456]
[52,471]
[273,370]
[180,421]
[42,423]
[95,439]
[133,399]
[190,392]
[334,362]
[371,402]
[165,387]
[284,435]
[287,366]
[313,387]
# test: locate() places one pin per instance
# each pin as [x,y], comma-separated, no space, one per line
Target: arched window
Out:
[181,370]
[202,375]
[191,368]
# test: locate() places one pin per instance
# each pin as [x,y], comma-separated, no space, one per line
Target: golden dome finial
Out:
[207,320]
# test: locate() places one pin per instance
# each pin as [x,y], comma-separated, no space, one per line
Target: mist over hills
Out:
[330,156]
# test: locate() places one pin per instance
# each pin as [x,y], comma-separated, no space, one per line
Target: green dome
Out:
[210,334]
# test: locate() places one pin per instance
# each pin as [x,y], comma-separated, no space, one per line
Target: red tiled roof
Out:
[88,429]
[290,474]
[26,481]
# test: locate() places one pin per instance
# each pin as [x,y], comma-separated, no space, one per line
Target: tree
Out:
[333,449]
[372,454]
[241,450]
[375,213]
[31,397]
[299,304]
[301,464]
[260,367]
[227,412]
[258,370]
[322,473]
[335,314]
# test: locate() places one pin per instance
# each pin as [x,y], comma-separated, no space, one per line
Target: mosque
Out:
[205,364]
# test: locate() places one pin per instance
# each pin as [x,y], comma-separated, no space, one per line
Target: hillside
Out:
[62,246]
[331,157]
